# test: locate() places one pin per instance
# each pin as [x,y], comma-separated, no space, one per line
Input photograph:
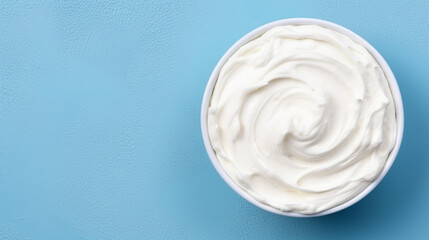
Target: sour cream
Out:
[302,118]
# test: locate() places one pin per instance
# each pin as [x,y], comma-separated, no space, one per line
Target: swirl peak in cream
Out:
[302,118]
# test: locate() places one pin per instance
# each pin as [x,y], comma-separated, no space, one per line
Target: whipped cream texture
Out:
[302,118]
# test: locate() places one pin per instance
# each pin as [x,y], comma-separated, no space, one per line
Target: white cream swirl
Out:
[302,118]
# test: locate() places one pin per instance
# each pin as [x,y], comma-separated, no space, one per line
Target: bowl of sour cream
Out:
[302,117]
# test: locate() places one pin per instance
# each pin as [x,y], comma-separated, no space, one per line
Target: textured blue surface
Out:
[99,120]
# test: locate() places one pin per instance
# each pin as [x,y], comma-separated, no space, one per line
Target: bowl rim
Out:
[302,21]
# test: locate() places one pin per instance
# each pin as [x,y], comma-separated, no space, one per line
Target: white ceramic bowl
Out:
[300,21]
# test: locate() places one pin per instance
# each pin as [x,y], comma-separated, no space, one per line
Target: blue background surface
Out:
[99,120]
